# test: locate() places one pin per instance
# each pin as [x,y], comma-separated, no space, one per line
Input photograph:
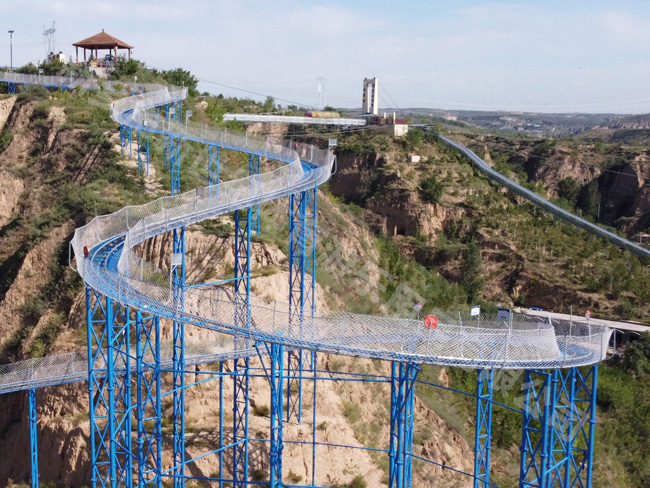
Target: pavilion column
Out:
[77,48]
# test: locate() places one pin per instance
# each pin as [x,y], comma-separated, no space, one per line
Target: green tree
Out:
[181,77]
[28,69]
[472,272]
[269,105]
[637,355]
[569,189]
[124,67]
[431,189]
[589,199]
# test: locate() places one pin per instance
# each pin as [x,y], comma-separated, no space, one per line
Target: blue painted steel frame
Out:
[11,88]
[483,428]
[276,353]
[242,288]
[302,285]
[148,413]
[558,434]
[143,151]
[109,391]
[534,442]
[33,436]
[178,332]
[402,412]
[254,169]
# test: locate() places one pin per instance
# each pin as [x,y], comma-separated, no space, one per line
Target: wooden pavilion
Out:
[101,41]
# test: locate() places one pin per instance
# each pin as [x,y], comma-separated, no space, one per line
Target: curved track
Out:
[114,270]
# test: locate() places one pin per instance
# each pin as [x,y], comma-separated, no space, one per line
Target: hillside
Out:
[391,232]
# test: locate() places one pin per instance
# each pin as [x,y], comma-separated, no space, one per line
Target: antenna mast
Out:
[321,93]
[48,35]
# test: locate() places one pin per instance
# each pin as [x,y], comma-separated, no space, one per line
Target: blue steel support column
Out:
[276,381]
[109,391]
[536,422]
[402,412]
[178,354]
[143,150]
[241,365]
[11,88]
[33,436]
[254,169]
[302,283]
[587,390]
[124,137]
[483,429]
[571,439]
[120,359]
[148,412]
[167,147]
[213,169]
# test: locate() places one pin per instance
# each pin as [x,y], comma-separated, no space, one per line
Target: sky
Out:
[533,56]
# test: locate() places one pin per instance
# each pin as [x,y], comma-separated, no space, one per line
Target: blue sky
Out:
[551,56]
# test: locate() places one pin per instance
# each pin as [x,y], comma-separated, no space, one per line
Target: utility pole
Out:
[11,49]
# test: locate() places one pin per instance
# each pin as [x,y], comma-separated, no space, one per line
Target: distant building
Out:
[370,101]
[60,57]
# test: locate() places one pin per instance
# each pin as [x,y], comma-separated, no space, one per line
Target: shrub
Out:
[262,411]
[431,189]
[5,139]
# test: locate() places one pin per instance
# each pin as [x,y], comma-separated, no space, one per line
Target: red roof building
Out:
[101,41]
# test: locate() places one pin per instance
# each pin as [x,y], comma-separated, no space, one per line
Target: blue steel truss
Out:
[143,151]
[275,376]
[167,148]
[402,412]
[109,388]
[242,293]
[254,169]
[483,429]
[33,436]
[125,137]
[534,441]
[11,88]
[148,413]
[302,286]
[213,170]
[558,432]
[178,332]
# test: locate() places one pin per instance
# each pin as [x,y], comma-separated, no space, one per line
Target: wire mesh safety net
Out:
[114,270]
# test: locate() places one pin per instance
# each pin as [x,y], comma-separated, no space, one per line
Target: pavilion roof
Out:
[102,41]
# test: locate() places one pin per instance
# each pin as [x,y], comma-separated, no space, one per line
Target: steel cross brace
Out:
[178,333]
[254,169]
[402,412]
[242,293]
[33,436]
[302,283]
[125,137]
[213,171]
[109,391]
[571,430]
[483,429]
[143,150]
[148,414]
[536,421]
[275,376]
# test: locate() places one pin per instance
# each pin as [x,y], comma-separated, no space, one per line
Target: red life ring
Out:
[86,252]
[431,321]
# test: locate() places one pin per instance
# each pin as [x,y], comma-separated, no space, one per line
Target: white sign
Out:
[503,314]
[417,307]
[332,142]
[476,310]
